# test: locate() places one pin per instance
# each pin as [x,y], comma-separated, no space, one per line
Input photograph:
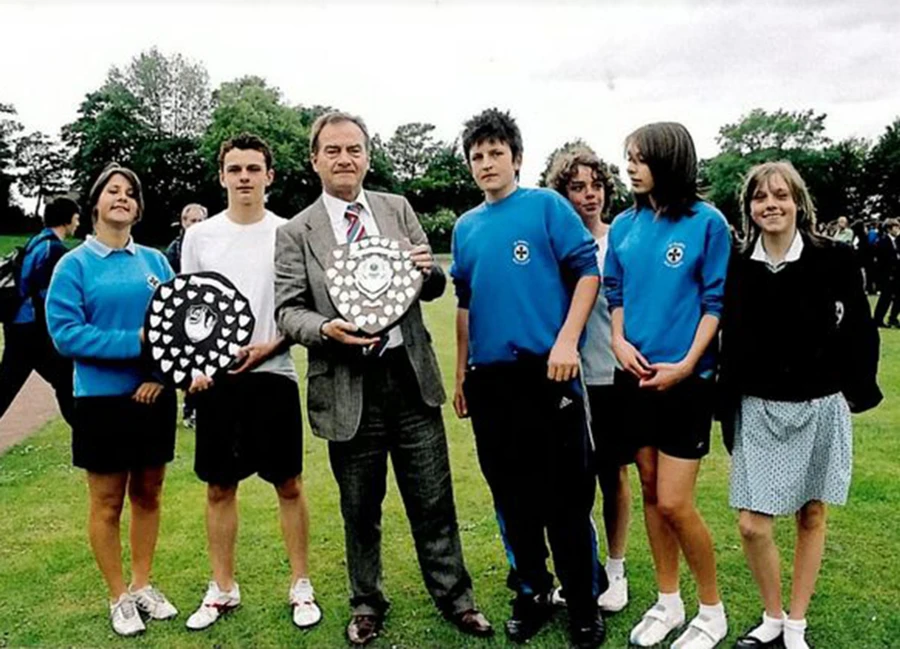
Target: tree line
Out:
[159,116]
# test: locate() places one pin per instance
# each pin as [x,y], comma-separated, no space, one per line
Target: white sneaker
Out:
[215,603]
[658,622]
[126,621]
[704,632]
[154,603]
[306,612]
[615,598]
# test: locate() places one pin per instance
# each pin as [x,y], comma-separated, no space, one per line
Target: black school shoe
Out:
[529,614]
[589,634]
[748,641]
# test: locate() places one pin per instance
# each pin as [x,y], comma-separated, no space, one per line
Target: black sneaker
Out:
[529,614]
[589,634]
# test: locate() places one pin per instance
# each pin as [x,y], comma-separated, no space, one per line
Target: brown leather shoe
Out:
[363,629]
[473,622]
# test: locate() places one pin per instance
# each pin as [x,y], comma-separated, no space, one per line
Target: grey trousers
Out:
[396,422]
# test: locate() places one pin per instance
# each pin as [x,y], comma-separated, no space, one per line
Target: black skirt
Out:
[114,434]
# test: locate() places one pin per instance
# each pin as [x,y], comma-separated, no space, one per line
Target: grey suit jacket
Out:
[302,305]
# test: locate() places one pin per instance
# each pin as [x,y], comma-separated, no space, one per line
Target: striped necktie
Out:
[355,229]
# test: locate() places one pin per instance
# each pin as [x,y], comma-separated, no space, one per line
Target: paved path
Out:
[35,405]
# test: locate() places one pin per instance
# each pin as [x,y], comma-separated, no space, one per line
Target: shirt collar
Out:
[793,253]
[336,207]
[94,244]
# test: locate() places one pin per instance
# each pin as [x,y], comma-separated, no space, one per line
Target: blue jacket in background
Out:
[515,263]
[95,309]
[667,273]
[42,252]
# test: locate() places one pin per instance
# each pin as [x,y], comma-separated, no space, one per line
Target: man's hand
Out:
[563,362]
[666,376]
[459,399]
[421,256]
[630,358]
[342,331]
[200,383]
[147,392]
[252,355]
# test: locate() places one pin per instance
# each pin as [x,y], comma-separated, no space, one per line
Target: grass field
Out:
[52,595]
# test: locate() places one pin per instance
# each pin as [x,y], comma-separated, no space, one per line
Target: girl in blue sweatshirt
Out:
[664,278]
[124,431]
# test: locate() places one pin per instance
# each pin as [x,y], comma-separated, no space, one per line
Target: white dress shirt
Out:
[792,254]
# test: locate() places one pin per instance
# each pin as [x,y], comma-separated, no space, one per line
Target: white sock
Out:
[770,628]
[716,614]
[615,568]
[794,632]
[672,601]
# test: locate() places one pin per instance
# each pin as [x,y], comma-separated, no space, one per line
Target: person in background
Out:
[124,429]
[887,256]
[26,344]
[585,181]
[795,302]
[843,233]
[192,214]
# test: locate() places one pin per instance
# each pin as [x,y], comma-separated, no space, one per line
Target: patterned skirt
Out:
[788,453]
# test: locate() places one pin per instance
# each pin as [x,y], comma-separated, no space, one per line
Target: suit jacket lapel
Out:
[321,236]
[383,213]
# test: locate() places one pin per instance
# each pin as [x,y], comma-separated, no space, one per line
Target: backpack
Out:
[11,277]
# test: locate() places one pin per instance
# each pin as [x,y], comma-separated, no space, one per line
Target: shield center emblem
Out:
[373,275]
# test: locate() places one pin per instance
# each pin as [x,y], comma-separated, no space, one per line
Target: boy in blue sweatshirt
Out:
[526,278]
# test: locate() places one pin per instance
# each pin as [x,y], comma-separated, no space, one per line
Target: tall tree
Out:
[760,130]
[43,164]
[10,127]
[172,91]
[411,149]
[883,172]
[249,104]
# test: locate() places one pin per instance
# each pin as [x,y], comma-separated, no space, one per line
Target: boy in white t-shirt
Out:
[248,421]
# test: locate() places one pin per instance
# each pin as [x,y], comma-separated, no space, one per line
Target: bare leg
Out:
[676,480]
[762,558]
[144,490]
[107,495]
[221,531]
[616,510]
[807,556]
[663,542]
[294,525]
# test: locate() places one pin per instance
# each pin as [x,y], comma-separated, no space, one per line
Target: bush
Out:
[439,228]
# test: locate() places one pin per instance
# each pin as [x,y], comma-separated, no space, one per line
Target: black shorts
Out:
[249,423]
[114,434]
[677,422]
[613,446]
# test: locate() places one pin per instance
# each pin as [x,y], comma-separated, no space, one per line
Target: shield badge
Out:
[195,324]
[372,282]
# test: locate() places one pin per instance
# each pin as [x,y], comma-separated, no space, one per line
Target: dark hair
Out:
[668,150]
[760,174]
[491,124]
[60,212]
[334,117]
[565,166]
[245,141]
[112,169]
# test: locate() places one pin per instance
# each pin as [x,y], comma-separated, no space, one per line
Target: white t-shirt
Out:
[245,254]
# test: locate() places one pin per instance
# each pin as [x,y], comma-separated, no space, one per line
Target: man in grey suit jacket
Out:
[369,406]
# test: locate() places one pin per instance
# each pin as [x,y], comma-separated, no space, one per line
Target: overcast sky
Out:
[594,70]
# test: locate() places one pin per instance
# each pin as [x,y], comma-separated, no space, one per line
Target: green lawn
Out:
[52,595]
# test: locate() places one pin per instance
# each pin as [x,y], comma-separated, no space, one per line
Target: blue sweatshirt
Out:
[42,253]
[515,263]
[667,274]
[95,309]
